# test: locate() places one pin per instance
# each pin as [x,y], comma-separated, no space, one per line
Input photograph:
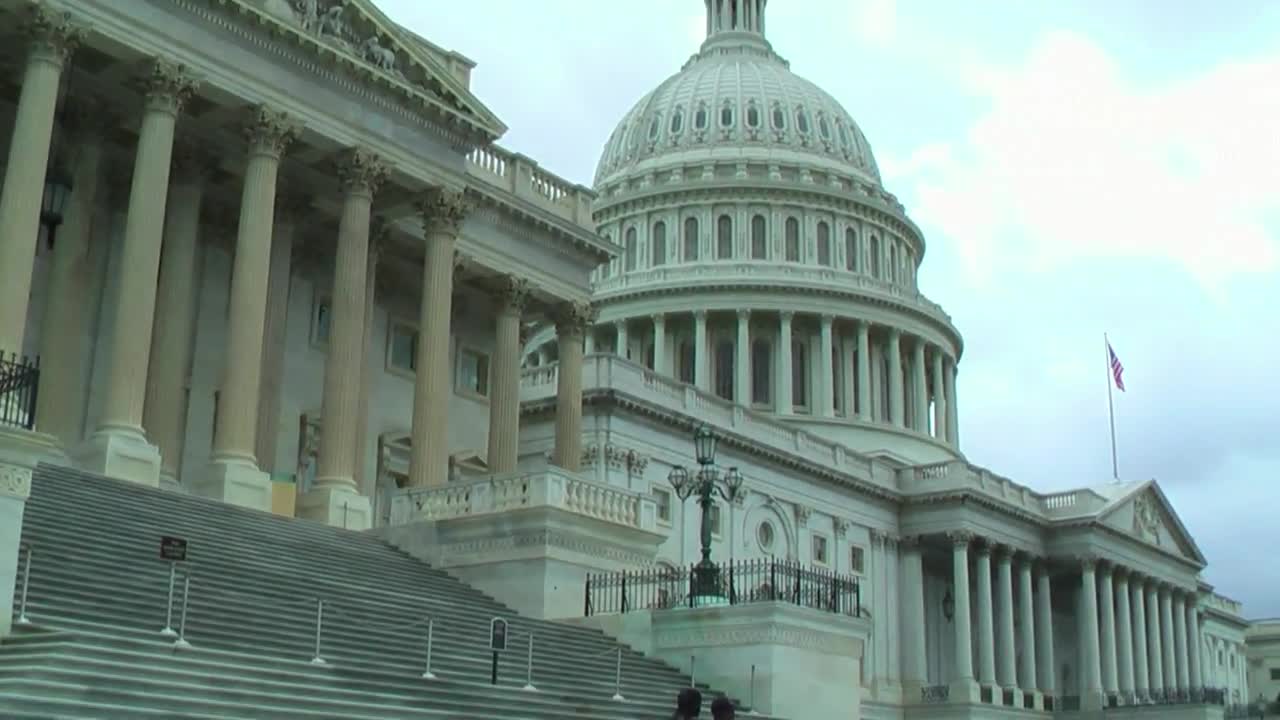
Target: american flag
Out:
[1117,370]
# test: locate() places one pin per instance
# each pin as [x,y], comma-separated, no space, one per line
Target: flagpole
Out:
[1111,412]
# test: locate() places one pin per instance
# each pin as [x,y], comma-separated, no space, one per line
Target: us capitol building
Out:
[268,252]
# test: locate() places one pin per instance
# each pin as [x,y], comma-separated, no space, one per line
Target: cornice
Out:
[352,74]
[516,215]
[968,497]
[686,423]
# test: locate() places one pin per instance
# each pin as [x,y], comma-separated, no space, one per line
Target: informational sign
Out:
[173,549]
[498,635]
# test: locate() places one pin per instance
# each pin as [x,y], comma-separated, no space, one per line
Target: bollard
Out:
[753,691]
[316,659]
[426,673]
[26,583]
[617,678]
[693,667]
[181,642]
[528,670]
[168,630]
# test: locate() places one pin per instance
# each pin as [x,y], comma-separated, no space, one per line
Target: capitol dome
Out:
[736,95]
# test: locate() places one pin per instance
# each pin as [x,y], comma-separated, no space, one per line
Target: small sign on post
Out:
[497,643]
[173,549]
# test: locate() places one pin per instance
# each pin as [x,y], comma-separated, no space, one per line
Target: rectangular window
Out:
[402,347]
[819,550]
[473,372]
[856,560]
[321,319]
[663,500]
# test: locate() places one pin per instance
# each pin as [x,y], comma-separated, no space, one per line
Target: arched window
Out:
[691,239]
[802,120]
[893,263]
[606,269]
[677,122]
[659,243]
[824,244]
[799,373]
[824,128]
[850,250]
[779,119]
[724,238]
[759,240]
[724,369]
[654,127]
[726,116]
[793,240]
[753,117]
[761,372]
[875,257]
[629,247]
[700,119]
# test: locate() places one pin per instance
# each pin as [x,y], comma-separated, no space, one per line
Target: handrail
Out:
[26,583]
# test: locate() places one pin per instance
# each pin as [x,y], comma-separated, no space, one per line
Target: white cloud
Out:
[1072,162]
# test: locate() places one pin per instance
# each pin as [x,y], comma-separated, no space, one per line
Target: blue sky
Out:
[1076,168]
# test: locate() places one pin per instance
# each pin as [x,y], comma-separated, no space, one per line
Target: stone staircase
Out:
[97,602]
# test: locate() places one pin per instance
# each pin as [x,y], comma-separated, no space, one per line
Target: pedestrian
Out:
[688,704]
[722,709]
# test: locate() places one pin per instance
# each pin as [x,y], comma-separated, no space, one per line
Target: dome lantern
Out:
[735,21]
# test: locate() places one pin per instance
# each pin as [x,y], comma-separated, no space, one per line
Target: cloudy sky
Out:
[1076,167]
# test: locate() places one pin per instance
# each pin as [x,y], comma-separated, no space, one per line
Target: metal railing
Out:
[736,583]
[19,380]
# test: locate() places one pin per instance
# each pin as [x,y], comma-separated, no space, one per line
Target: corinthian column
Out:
[953,413]
[1006,649]
[1091,672]
[52,38]
[233,474]
[1180,641]
[986,617]
[826,386]
[504,403]
[939,399]
[289,213]
[165,406]
[786,406]
[963,687]
[919,387]
[1155,658]
[443,212]
[1141,674]
[742,356]
[60,396]
[1044,629]
[335,500]
[1107,616]
[366,481]
[571,321]
[1193,643]
[1026,618]
[864,372]
[1124,635]
[914,658]
[118,448]
[1168,663]
[894,350]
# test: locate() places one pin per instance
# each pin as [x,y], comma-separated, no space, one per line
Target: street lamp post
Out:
[707,482]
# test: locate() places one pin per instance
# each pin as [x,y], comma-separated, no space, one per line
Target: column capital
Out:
[982,548]
[1087,562]
[786,315]
[861,325]
[53,35]
[361,172]
[910,542]
[700,315]
[444,210]
[826,320]
[168,85]
[876,536]
[1004,552]
[512,294]
[841,527]
[960,538]
[269,131]
[573,318]
[895,335]
[744,315]
[621,322]
[658,318]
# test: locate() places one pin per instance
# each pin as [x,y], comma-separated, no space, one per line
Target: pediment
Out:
[360,32]
[1146,515]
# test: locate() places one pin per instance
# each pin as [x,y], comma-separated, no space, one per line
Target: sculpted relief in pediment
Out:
[1146,519]
[334,22]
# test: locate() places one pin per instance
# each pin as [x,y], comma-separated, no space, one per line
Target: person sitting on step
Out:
[688,704]
[722,709]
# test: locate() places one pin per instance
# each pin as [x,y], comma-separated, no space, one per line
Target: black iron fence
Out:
[19,378]
[736,583]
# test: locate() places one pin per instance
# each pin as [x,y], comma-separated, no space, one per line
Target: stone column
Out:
[848,373]
[785,404]
[864,371]
[1155,657]
[365,474]
[986,616]
[1180,641]
[1044,630]
[1141,674]
[60,395]
[233,475]
[953,414]
[701,368]
[919,383]
[118,447]
[443,212]
[52,38]
[660,364]
[1006,652]
[1168,664]
[623,341]
[1193,644]
[914,672]
[963,688]
[1091,672]
[334,498]
[826,385]
[1124,634]
[289,211]
[939,399]
[894,616]
[571,320]
[1107,616]
[165,406]
[742,366]
[896,414]
[504,404]
[1026,618]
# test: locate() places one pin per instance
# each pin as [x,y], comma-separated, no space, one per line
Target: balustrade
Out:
[522,177]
